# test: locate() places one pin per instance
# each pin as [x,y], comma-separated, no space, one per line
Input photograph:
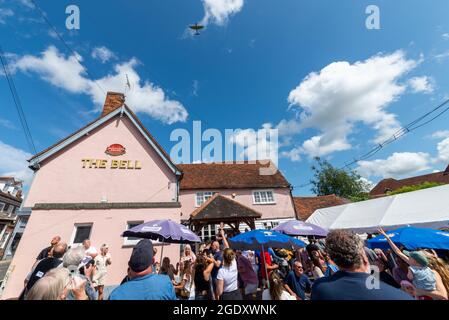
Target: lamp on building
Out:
[104,199]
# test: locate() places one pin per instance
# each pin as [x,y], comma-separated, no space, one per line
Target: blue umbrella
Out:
[255,239]
[413,238]
[301,228]
[260,239]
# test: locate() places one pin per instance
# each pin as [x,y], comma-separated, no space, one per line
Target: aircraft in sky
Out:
[196,27]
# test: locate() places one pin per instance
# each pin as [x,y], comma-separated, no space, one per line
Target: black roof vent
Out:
[446,172]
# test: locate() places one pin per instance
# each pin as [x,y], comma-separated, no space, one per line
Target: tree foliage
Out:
[415,187]
[330,180]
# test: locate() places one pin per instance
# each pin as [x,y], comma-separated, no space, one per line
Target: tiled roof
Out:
[221,208]
[305,206]
[227,175]
[390,184]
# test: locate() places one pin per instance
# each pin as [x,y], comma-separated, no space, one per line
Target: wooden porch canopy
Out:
[222,209]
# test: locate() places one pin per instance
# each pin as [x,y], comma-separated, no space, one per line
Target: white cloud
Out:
[66,73]
[219,11]
[445,36]
[342,94]
[440,134]
[398,164]
[13,162]
[103,54]
[293,154]
[4,14]
[54,67]
[422,84]
[442,56]
[443,152]
[143,97]
[256,145]
[7,124]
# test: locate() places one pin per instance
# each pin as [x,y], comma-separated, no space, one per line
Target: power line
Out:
[18,104]
[412,126]
[73,52]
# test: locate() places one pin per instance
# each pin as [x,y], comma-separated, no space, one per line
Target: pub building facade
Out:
[112,175]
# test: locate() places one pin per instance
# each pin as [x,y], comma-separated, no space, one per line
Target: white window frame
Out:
[2,206]
[87,224]
[126,241]
[206,232]
[203,194]
[263,202]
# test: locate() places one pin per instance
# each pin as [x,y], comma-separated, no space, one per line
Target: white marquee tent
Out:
[423,208]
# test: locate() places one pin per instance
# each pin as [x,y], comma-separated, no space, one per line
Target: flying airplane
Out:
[196,27]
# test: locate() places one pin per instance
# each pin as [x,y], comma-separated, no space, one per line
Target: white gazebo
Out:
[423,208]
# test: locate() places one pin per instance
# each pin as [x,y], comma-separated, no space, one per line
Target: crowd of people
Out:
[338,267]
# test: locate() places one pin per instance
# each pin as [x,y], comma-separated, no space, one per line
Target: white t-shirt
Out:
[284,296]
[229,275]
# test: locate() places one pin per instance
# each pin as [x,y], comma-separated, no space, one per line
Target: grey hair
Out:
[345,248]
[51,286]
[73,257]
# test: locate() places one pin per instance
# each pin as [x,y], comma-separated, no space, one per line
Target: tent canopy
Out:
[423,208]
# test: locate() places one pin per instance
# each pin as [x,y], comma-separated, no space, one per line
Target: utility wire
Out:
[412,126]
[18,104]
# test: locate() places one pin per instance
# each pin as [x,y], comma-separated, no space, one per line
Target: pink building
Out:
[111,175]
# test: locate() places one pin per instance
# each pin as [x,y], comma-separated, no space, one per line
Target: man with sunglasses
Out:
[297,283]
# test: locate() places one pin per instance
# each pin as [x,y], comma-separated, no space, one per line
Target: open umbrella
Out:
[260,239]
[413,238]
[301,228]
[165,231]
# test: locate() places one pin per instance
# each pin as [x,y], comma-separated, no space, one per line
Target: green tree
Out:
[330,180]
[424,185]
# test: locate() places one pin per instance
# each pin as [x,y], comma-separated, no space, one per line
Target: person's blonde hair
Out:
[439,266]
[228,256]
[51,286]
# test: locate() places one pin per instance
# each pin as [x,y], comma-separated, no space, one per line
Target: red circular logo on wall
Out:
[115,150]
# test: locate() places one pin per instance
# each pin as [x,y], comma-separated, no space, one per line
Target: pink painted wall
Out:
[107,227]
[282,209]
[62,179]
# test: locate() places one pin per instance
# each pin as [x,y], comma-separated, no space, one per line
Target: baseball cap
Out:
[418,257]
[142,256]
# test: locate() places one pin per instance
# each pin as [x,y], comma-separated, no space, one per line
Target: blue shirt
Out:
[344,285]
[299,285]
[218,256]
[149,287]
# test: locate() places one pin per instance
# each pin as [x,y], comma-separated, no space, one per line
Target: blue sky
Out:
[308,68]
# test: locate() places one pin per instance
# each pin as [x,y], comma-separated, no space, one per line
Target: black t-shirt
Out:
[41,269]
[353,286]
[44,253]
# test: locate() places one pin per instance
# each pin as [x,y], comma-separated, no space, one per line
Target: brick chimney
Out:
[113,101]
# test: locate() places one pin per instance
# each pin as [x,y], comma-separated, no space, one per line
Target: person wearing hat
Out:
[143,284]
[420,274]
